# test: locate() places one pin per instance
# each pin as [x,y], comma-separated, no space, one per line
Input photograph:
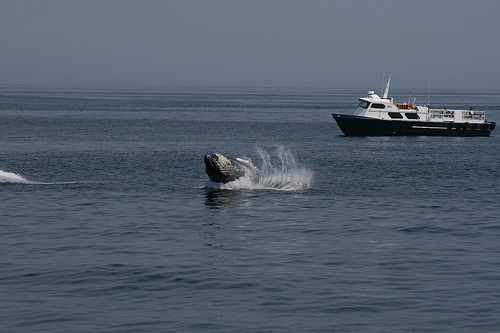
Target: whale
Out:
[225,169]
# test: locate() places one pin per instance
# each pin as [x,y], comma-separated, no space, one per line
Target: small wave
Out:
[13,178]
[280,171]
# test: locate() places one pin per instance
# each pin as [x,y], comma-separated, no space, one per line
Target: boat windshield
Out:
[364,104]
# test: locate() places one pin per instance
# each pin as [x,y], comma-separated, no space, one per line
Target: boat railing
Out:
[446,113]
[470,114]
[451,115]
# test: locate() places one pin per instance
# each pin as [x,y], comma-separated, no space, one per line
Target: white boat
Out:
[381,116]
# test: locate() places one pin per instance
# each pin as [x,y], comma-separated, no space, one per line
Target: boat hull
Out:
[364,126]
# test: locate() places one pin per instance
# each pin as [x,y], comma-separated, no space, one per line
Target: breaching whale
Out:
[224,169]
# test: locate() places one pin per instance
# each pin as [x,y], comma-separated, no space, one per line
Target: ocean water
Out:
[109,223]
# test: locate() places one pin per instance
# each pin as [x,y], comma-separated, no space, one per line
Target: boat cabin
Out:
[374,106]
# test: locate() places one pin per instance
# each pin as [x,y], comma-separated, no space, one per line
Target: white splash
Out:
[10,177]
[14,178]
[278,172]
[285,173]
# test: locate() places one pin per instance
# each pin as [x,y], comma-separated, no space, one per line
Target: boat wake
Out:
[281,171]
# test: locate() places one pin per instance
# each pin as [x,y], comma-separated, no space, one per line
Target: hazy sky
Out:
[269,43]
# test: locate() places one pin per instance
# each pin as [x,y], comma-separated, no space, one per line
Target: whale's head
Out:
[223,169]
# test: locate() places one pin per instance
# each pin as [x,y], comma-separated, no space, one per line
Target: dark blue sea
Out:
[108,222]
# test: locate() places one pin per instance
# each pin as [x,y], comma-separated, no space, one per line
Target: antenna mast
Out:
[386,92]
[429,95]
[383,81]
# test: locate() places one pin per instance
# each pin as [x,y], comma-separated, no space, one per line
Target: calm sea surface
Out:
[108,222]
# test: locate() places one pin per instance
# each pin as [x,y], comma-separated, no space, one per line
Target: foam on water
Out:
[14,178]
[10,177]
[280,171]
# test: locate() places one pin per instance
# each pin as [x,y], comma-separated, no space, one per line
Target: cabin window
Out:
[378,106]
[364,105]
[395,115]
[412,115]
